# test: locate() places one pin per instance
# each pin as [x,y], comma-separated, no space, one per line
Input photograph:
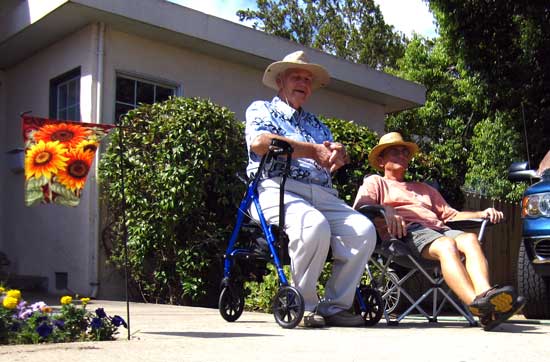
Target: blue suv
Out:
[533,273]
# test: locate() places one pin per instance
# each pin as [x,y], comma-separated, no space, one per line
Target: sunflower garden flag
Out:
[58,156]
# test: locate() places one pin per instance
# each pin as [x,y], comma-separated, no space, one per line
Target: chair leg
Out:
[465,312]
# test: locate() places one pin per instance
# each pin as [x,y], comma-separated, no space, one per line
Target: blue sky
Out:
[405,15]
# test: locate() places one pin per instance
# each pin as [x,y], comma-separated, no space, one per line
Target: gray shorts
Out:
[419,236]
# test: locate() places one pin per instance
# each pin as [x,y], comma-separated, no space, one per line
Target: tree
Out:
[494,146]
[351,29]
[443,126]
[507,44]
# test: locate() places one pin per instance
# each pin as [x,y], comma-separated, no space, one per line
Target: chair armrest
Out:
[466,224]
[372,211]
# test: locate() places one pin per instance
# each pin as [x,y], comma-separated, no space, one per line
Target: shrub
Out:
[358,140]
[180,163]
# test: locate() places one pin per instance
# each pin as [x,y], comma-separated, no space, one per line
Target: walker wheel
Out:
[288,307]
[371,306]
[230,304]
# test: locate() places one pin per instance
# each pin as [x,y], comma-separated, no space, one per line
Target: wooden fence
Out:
[501,242]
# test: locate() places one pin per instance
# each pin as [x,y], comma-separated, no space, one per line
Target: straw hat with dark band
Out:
[389,140]
[296,60]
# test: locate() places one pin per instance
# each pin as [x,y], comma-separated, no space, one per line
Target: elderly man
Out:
[417,213]
[316,218]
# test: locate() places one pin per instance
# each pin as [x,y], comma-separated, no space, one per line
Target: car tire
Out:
[533,287]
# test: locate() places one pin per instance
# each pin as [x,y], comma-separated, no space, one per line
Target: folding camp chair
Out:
[389,253]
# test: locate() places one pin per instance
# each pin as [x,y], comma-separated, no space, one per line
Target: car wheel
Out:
[533,287]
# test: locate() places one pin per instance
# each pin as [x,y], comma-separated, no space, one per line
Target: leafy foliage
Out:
[180,162]
[494,147]
[350,29]
[507,44]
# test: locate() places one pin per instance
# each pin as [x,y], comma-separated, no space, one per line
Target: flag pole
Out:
[124,227]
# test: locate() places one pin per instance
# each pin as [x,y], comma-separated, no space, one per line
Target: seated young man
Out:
[416,213]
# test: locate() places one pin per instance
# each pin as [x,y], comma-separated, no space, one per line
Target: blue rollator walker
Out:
[252,245]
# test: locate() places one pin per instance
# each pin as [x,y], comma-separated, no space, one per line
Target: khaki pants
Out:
[317,219]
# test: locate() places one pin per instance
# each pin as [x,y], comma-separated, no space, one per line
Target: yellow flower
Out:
[14,293]
[10,302]
[2,290]
[45,159]
[85,300]
[66,300]
[68,134]
[74,175]
[46,309]
[88,145]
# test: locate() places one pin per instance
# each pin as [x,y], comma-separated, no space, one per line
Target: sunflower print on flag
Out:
[58,157]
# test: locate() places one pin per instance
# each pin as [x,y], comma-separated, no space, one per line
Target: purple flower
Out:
[100,313]
[59,323]
[44,330]
[96,323]
[118,321]
[25,313]
[37,306]
[22,304]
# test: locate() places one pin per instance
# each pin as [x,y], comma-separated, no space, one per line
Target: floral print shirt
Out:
[277,117]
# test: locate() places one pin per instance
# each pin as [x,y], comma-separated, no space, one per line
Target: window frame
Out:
[56,83]
[156,82]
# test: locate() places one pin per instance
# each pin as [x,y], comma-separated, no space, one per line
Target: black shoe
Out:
[491,320]
[495,300]
[312,320]
[345,319]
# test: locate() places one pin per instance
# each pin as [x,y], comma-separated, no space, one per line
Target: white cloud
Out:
[408,16]
[405,15]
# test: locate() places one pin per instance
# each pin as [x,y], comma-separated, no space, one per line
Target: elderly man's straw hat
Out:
[296,60]
[389,140]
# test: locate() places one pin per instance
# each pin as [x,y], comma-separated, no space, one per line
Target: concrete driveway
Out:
[175,333]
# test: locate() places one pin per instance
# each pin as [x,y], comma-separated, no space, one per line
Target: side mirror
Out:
[519,171]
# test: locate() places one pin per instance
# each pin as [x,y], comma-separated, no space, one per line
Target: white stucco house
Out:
[91,60]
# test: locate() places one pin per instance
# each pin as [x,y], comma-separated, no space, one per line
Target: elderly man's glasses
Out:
[396,151]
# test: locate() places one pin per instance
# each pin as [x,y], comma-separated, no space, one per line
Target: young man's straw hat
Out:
[389,140]
[296,60]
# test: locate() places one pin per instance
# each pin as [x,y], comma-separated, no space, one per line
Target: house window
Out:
[65,96]
[130,92]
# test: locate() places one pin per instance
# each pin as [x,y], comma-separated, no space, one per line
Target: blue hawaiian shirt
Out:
[279,118]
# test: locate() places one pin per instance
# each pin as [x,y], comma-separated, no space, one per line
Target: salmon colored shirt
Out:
[415,202]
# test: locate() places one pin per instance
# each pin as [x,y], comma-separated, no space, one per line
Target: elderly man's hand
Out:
[322,155]
[338,156]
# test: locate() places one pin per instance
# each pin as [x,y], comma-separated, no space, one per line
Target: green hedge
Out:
[180,162]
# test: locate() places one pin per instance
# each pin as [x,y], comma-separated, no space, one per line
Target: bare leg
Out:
[476,263]
[454,272]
